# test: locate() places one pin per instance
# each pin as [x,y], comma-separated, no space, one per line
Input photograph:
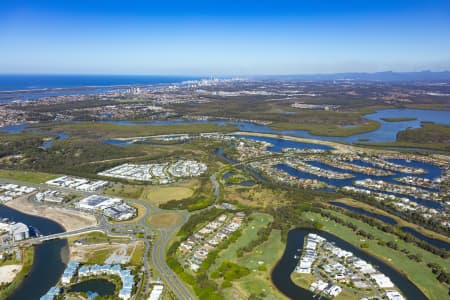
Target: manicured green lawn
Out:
[417,272]
[259,282]
[249,233]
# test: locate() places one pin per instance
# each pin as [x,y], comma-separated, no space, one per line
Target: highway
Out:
[131,229]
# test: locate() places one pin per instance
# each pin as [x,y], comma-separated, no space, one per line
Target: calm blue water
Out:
[38,86]
[102,287]
[61,136]
[281,274]
[43,274]
[386,133]
[432,172]
[388,130]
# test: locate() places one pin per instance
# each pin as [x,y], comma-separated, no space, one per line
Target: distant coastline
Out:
[16,83]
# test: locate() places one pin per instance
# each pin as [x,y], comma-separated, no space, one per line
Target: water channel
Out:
[281,275]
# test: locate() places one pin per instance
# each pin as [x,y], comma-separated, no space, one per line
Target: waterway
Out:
[50,257]
[386,133]
[281,275]
[103,287]
[388,220]
[432,172]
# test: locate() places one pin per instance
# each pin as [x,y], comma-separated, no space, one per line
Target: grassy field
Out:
[255,196]
[400,221]
[329,129]
[156,194]
[417,272]
[249,233]
[96,238]
[258,282]
[398,119]
[164,219]
[136,257]
[303,280]
[28,176]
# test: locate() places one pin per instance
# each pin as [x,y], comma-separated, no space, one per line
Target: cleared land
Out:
[69,219]
[417,272]
[33,177]
[96,247]
[164,220]
[158,195]
[155,194]
[8,273]
[255,196]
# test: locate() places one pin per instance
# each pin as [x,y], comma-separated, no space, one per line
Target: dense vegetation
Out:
[427,134]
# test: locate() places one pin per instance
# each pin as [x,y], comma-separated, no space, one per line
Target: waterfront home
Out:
[52,293]
[332,290]
[69,272]
[394,295]
[382,280]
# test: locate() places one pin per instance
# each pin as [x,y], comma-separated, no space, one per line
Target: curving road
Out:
[132,229]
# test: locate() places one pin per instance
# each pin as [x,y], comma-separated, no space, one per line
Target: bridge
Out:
[65,234]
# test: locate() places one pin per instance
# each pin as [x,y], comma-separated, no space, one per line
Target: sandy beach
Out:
[69,219]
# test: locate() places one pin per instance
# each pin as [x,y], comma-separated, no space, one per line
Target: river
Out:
[386,133]
[50,257]
[281,275]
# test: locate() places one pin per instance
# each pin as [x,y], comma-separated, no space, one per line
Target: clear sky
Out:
[223,37]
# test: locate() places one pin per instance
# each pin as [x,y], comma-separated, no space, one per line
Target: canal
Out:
[50,258]
[281,275]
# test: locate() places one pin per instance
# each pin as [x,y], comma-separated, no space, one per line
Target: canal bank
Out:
[281,274]
[390,221]
[50,257]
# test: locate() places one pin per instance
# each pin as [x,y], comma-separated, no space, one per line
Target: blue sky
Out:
[223,37]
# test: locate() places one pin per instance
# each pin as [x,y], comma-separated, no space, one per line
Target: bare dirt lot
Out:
[69,219]
[8,273]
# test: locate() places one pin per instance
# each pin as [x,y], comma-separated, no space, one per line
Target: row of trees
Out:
[407,237]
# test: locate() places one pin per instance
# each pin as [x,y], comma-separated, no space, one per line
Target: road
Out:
[131,229]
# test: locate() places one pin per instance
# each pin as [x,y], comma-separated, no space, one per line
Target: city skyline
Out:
[202,38]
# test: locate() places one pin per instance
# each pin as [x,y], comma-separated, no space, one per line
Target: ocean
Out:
[16,82]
